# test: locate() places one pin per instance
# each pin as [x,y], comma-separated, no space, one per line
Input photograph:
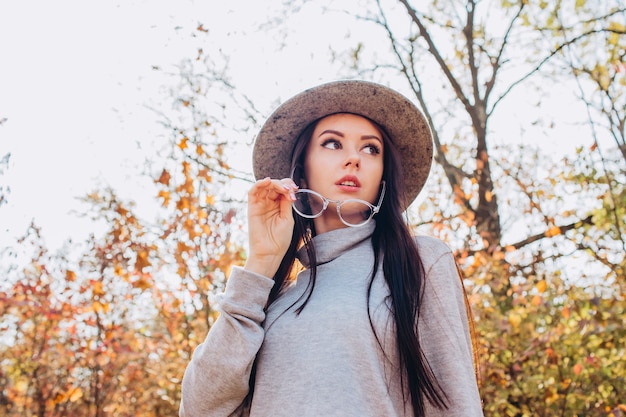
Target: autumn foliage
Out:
[106,327]
[110,331]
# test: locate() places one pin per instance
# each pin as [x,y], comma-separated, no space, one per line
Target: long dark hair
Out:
[402,267]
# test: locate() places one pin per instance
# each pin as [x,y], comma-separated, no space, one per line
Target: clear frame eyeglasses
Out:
[352,212]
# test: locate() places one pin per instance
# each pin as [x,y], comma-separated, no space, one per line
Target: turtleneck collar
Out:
[331,245]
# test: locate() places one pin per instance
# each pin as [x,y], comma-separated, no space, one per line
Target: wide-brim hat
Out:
[400,118]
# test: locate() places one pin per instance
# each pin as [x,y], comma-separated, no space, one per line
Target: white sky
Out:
[75,76]
[74,80]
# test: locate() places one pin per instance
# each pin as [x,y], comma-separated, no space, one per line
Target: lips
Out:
[349,181]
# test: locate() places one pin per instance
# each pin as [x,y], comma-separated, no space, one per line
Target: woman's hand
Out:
[270,224]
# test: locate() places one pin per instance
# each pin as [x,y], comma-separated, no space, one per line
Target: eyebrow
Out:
[338,133]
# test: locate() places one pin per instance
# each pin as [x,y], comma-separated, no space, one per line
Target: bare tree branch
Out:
[432,48]
[453,174]
[496,64]
[562,229]
[545,60]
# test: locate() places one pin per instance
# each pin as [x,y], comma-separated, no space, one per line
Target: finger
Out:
[259,189]
[287,188]
[273,189]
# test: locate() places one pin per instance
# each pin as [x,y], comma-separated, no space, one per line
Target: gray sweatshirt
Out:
[328,361]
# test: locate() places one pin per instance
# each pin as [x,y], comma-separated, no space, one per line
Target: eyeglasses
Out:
[352,212]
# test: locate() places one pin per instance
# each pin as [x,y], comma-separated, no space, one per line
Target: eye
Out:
[372,149]
[331,144]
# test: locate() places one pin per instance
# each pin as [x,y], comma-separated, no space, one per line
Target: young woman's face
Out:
[344,160]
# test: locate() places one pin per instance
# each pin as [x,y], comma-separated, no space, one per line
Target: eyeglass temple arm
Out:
[382,194]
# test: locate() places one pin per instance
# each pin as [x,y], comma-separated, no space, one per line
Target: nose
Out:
[353,158]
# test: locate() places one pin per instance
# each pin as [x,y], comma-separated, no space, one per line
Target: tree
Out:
[4,190]
[512,219]
[107,327]
[110,329]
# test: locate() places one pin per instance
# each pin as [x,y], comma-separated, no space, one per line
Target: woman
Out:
[375,323]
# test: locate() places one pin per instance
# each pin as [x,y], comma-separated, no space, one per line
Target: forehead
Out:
[348,121]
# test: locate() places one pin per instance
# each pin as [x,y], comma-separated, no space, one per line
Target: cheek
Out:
[377,168]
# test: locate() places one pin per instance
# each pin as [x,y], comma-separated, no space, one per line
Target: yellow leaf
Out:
[76,395]
[515,319]
[498,255]
[97,288]
[99,307]
[21,386]
[488,196]
[183,144]
[536,300]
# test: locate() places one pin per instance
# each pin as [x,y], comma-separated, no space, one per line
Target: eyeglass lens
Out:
[311,205]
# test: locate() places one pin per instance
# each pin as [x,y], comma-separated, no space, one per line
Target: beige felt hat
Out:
[403,122]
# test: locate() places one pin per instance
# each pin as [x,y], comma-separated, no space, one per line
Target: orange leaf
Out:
[565,312]
[578,368]
[142,260]
[142,283]
[553,231]
[165,195]
[97,288]
[183,144]
[70,275]
[76,395]
[164,178]
[99,307]
[542,286]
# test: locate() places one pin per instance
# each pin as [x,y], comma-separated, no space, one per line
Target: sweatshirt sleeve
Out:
[216,380]
[445,333]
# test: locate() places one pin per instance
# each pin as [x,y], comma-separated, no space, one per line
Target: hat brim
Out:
[402,121]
